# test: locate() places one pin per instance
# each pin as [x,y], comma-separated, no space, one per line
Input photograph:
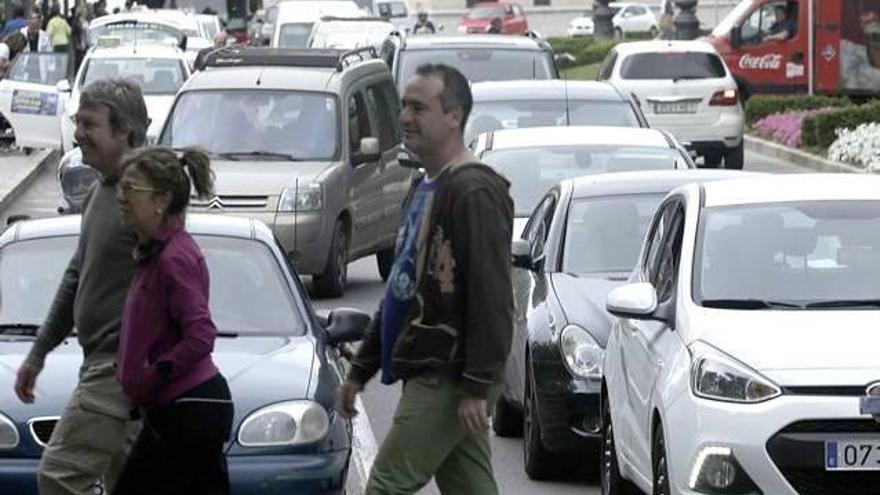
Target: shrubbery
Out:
[758,107]
[821,130]
[785,128]
[859,146]
[585,51]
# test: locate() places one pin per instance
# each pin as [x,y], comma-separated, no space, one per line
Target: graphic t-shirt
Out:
[402,283]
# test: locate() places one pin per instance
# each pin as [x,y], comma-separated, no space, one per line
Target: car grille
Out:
[798,452]
[220,203]
[42,428]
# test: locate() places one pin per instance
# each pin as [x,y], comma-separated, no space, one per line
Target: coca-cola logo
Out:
[771,61]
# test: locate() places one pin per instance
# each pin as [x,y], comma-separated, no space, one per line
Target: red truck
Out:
[800,46]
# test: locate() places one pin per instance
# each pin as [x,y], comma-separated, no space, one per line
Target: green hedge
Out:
[585,50]
[758,107]
[821,130]
[595,53]
[569,45]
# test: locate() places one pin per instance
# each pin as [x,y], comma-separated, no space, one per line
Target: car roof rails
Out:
[328,18]
[239,56]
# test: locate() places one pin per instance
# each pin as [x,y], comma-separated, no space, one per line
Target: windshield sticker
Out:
[34,102]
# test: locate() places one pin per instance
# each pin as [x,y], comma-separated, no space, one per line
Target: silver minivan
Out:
[307,142]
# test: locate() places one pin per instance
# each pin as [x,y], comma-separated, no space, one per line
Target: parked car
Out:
[307,141]
[159,70]
[143,27]
[33,98]
[479,58]
[534,159]
[289,23]
[480,17]
[396,12]
[518,104]
[628,18]
[280,359]
[744,339]
[582,240]
[341,33]
[685,88]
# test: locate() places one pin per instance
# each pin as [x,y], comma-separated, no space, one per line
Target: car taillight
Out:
[726,98]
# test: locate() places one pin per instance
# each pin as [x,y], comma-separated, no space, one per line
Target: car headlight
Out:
[286,423]
[77,181]
[717,376]
[8,433]
[303,197]
[581,353]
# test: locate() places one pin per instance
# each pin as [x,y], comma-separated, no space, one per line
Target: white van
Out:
[291,22]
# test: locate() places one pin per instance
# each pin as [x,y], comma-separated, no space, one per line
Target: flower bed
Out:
[760,106]
[785,128]
[859,146]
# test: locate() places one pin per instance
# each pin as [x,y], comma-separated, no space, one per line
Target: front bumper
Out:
[575,31]
[569,409]
[779,444]
[248,475]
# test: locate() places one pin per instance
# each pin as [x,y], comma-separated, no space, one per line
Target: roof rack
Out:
[239,56]
[327,18]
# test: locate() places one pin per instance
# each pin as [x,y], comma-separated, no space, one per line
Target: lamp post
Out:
[602,15]
[687,26]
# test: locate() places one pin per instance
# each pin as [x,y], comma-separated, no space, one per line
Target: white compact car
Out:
[159,70]
[289,23]
[685,88]
[745,339]
[628,18]
[339,33]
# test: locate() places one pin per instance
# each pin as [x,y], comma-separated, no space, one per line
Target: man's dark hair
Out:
[128,111]
[456,89]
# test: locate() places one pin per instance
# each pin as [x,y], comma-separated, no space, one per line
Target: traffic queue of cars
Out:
[635,341]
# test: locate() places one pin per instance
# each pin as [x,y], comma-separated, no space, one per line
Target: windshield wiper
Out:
[29,329]
[228,335]
[748,304]
[686,78]
[845,303]
[235,155]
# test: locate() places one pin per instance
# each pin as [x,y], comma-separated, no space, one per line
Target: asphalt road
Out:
[365,288]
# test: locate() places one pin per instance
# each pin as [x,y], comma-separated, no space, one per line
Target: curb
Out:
[798,157]
[25,177]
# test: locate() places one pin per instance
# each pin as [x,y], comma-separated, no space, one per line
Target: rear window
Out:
[672,65]
[480,64]
[486,12]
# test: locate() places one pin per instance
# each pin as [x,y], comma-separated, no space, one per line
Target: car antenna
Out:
[295,208]
[567,109]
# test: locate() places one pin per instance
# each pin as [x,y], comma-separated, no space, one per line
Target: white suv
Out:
[744,340]
[685,88]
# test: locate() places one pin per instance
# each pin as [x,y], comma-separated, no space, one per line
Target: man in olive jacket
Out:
[445,324]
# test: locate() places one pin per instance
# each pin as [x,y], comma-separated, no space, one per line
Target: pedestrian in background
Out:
[91,440]
[445,324]
[16,22]
[666,19]
[495,26]
[165,363]
[37,39]
[79,31]
[58,30]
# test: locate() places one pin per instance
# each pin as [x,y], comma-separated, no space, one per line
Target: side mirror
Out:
[368,152]
[637,301]
[183,41]
[521,254]
[11,219]
[63,86]
[736,36]
[345,325]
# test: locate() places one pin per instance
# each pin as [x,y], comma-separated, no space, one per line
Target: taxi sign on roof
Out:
[109,42]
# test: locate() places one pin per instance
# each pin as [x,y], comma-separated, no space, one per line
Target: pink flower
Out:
[785,128]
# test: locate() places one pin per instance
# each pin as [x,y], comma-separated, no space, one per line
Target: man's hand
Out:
[25,382]
[345,396]
[472,414]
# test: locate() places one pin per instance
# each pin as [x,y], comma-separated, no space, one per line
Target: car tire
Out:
[735,158]
[654,32]
[609,471]
[539,463]
[618,33]
[384,261]
[659,463]
[712,159]
[331,281]
[507,420]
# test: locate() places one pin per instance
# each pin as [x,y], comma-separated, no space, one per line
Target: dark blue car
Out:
[280,358]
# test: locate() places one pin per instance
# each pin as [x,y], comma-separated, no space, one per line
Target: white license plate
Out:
[852,455]
[675,107]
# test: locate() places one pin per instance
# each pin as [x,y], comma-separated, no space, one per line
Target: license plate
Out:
[852,455]
[675,107]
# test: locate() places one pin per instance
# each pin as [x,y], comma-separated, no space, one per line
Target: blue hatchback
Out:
[279,357]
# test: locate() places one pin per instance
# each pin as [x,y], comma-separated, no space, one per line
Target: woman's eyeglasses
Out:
[129,189]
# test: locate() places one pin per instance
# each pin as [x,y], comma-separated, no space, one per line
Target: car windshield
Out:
[391,9]
[723,28]
[39,68]
[248,293]
[480,64]
[672,65]
[533,170]
[155,76]
[604,234]
[295,35]
[493,115]
[798,253]
[290,124]
[141,33]
[486,12]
